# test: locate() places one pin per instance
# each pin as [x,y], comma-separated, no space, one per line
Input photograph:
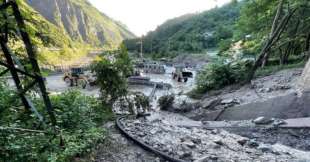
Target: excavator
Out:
[181,74]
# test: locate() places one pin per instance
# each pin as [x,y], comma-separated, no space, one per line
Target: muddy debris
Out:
[200,144]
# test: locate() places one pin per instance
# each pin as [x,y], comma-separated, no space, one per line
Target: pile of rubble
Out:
[201,144]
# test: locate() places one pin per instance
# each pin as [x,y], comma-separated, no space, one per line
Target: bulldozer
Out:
[79,77]
[181,74]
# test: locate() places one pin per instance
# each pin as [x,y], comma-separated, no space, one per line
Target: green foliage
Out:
[112,75]
[79,120]
[220,74]
[142,102]
[190,33]
[295,38]
[165,102]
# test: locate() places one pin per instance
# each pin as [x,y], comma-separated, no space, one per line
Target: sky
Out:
[141,16]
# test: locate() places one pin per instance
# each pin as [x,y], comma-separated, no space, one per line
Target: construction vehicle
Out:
[181,74]
[79,77]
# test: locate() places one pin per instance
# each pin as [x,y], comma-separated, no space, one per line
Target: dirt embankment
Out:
[262,89]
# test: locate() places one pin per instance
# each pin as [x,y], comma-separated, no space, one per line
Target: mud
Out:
[280,84]
[116,148]
[190,143]
[295,138]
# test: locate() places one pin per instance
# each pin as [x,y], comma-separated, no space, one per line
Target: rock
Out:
[215,131]
[268,90]
[282,87]
[265,90]
[262,120]
[213,157]
[141,134]
[230,101]
[207,158]
[242,141]
[183,155]
[179,153]
[278,122]
[261,90]
[218,141]
[153,131]
[196,140]
[265,148]
[187,154]
[189,144]
[137,122]
[253,143]
[227,101]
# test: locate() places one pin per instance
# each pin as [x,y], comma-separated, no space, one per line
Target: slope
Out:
[82,22]
[192,32]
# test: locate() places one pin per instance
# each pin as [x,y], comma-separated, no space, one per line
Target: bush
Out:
[220,74]
[166,102]
[79,120]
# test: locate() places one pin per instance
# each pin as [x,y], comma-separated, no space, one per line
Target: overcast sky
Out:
[141,16]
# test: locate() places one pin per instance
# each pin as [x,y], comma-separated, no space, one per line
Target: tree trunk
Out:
[269,43]
[273,28]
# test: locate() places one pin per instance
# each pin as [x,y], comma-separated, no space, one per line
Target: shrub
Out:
[166,102]
[220,74]
[79,120]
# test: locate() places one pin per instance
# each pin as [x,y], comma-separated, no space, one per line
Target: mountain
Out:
[81,22]
[191,32]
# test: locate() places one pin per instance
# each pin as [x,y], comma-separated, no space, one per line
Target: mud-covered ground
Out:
[261,89]
[295,138]
[183,139]
[187,139]
[117,148]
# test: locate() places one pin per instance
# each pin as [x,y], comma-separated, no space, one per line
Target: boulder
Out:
[242,141]
[230,101]
[265,148]
[253,143]
[262,120]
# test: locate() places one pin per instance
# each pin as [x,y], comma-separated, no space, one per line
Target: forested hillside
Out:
[270,34]
[192,32]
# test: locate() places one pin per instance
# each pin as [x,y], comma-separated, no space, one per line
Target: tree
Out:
[112,75]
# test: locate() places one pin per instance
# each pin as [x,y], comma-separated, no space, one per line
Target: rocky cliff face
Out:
[81,21]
